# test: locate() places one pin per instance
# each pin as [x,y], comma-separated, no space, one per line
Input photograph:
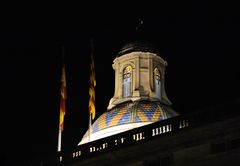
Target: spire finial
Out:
[139,24]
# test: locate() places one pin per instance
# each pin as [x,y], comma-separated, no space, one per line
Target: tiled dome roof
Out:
[137,113]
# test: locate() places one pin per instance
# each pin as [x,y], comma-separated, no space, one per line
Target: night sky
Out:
[200,42]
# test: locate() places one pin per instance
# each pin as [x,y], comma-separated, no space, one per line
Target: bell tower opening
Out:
[157,82]
[127,81]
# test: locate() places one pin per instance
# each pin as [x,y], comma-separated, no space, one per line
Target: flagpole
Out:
[60,128]
[90,113]
[59,138]
[89,127]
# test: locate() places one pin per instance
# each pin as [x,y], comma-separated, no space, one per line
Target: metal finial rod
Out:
[92,46]
[139,25]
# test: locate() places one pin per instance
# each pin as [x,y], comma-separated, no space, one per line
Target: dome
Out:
[127,116]
[138,46]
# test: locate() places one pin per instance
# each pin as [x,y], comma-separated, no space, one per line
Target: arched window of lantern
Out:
[157,82]
[127,81]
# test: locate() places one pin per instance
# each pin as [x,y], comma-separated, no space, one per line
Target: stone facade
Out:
[143,64]
[204,138]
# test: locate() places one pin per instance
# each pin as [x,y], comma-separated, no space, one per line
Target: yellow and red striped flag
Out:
[62,99]
[91,105]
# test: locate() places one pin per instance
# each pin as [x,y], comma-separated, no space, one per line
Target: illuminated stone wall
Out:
[142,87]
[191,140]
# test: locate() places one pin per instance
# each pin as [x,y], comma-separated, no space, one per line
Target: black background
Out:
[199,40]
